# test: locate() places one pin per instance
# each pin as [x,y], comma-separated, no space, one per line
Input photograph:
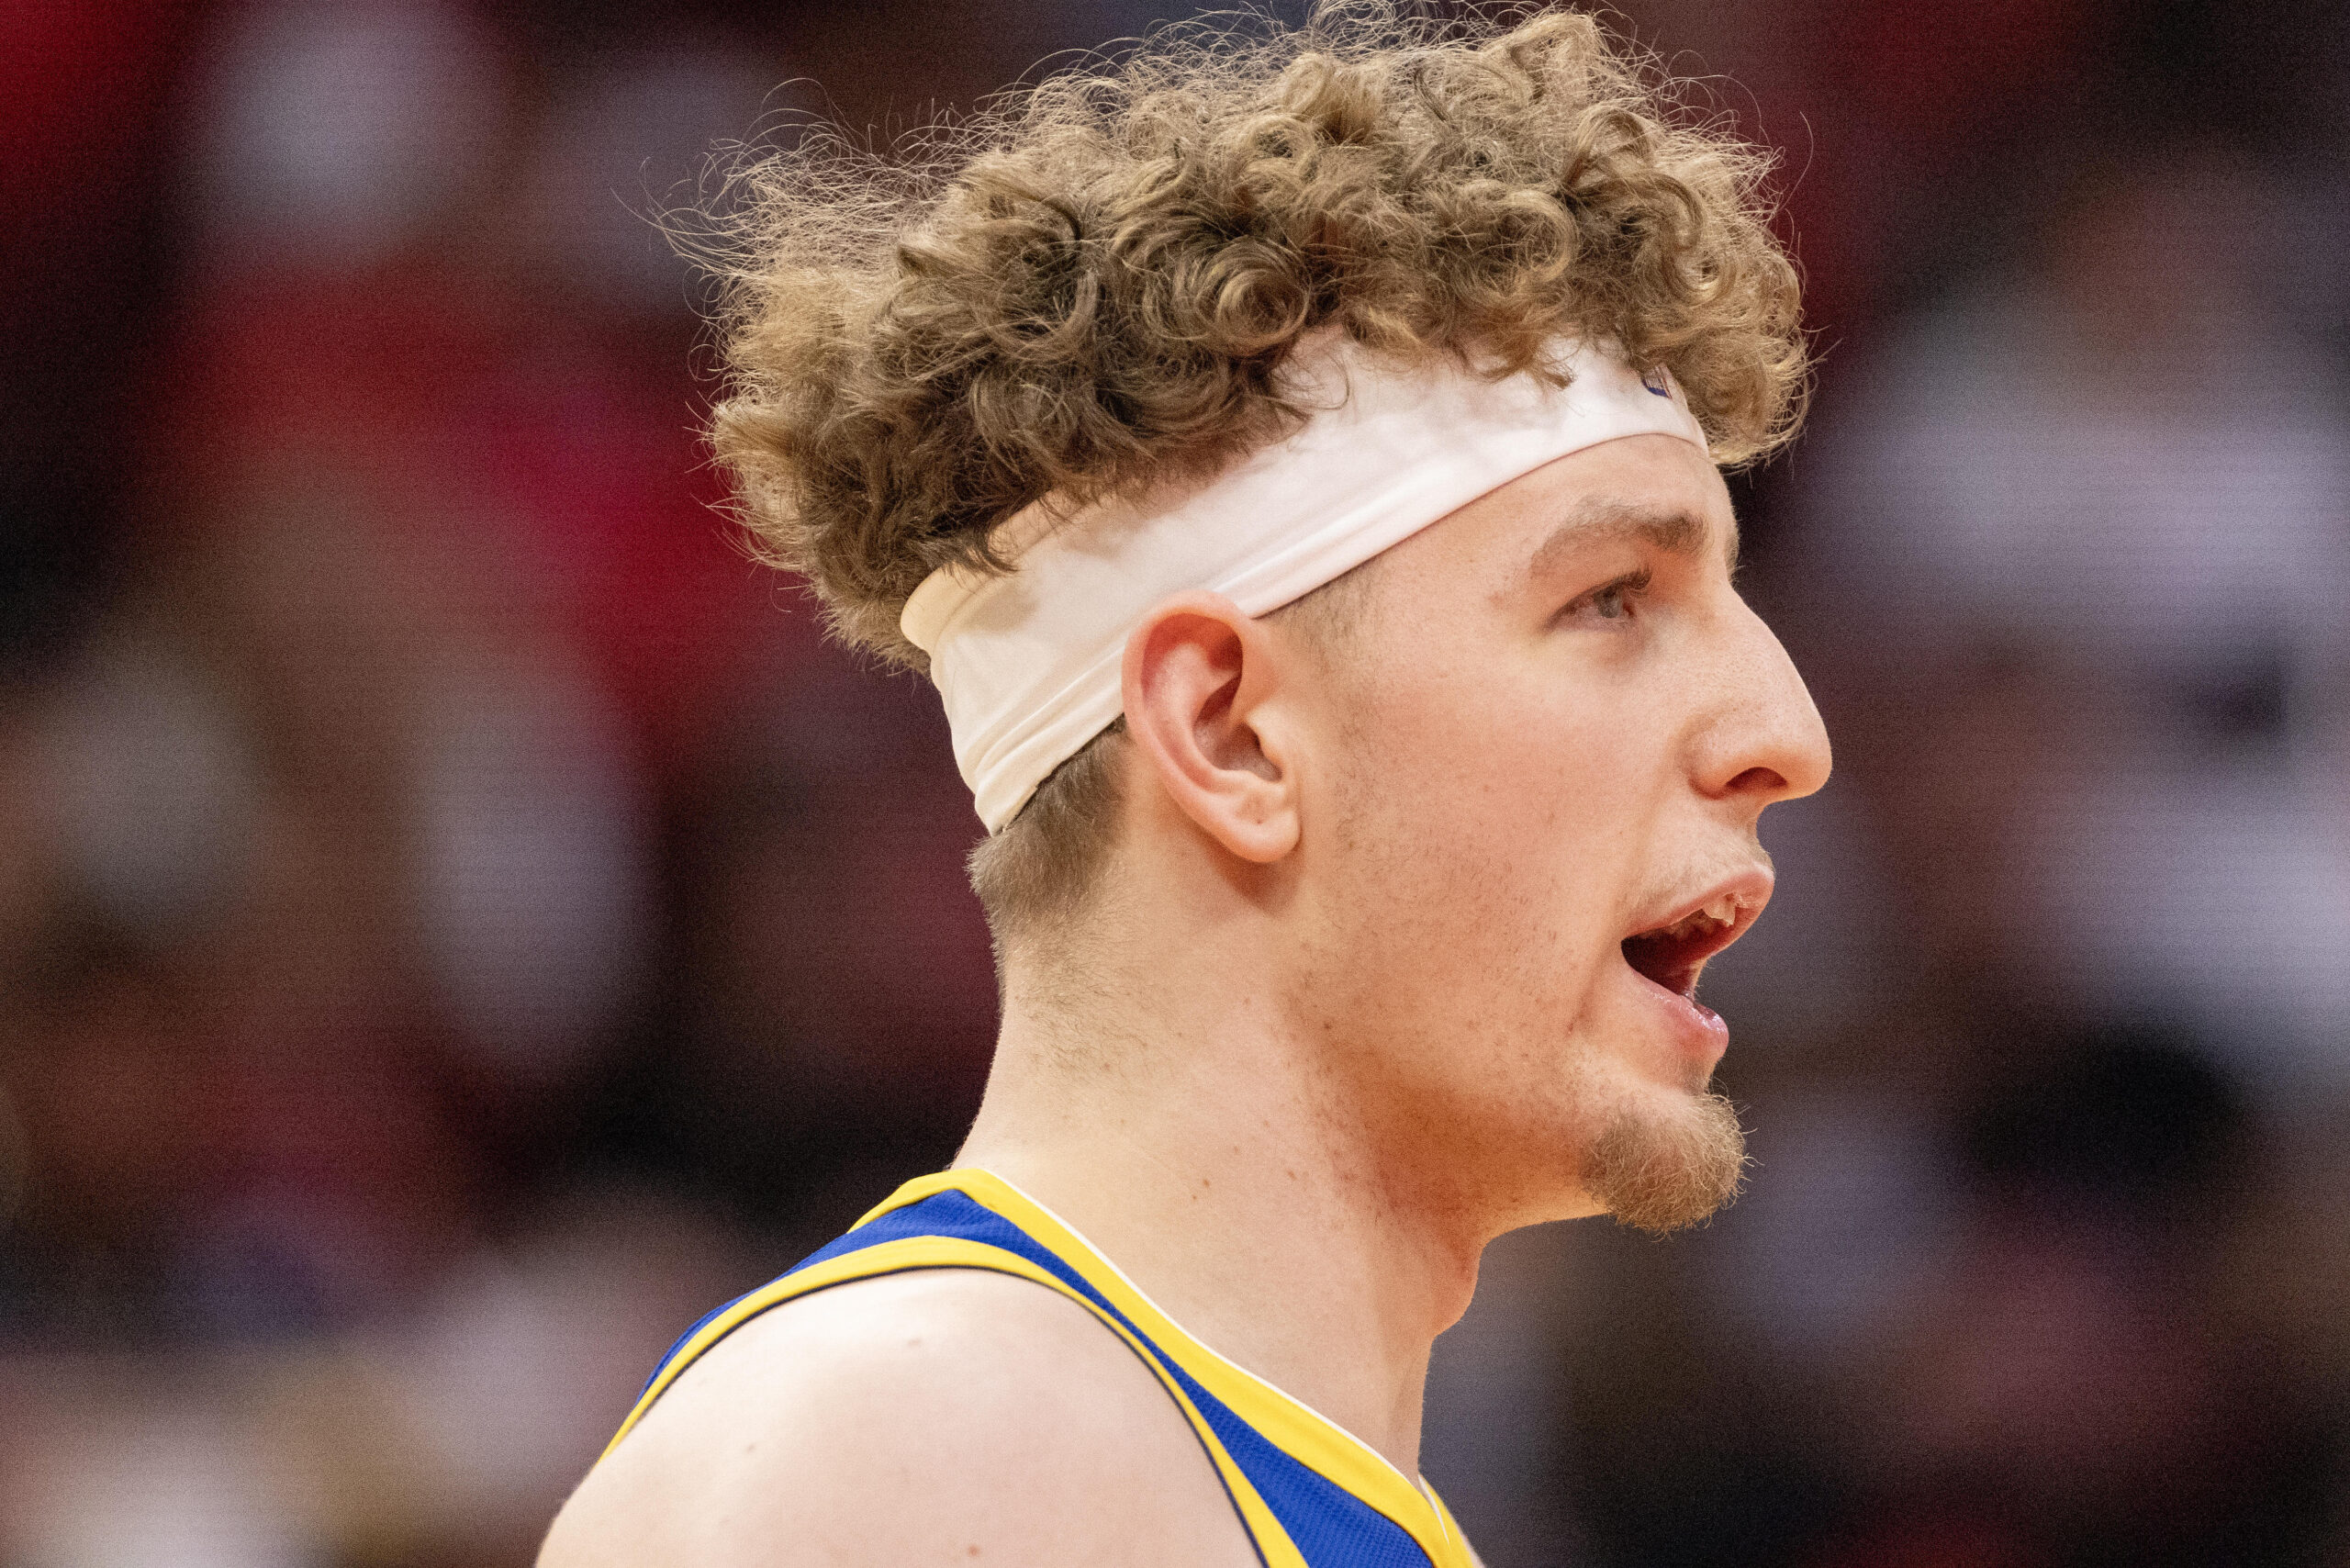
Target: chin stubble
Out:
[1662,1173]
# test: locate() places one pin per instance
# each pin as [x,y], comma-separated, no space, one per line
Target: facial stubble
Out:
[1662,1173]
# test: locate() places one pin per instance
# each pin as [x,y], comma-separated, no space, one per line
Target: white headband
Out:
[1028,662]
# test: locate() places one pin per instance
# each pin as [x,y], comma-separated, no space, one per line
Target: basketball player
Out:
[1297,465]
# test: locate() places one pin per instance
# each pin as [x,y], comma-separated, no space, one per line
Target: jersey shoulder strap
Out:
[1309,1495]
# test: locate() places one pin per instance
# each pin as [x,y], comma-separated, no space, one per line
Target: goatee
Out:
[1664,1173]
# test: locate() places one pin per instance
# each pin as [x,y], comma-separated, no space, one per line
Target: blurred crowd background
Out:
[458,922]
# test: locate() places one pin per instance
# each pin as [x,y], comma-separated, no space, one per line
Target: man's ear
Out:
[1197,675]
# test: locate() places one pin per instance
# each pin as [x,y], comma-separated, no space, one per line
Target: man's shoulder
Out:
[936,1415]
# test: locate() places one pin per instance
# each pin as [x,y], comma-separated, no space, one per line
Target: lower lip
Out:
[1698,1027]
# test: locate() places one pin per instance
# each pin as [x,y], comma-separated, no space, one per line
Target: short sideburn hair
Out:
[1034,877]
[1086,289]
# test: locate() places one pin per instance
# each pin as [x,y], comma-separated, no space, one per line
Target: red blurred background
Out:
[457,920]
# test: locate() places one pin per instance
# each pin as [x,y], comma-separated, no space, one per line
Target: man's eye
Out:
[1613,602]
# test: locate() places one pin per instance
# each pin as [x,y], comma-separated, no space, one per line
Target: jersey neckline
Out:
[1309,1436]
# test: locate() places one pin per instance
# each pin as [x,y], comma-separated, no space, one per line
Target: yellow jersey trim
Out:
[1308,1436]
[1287,1423]
[1272,1542]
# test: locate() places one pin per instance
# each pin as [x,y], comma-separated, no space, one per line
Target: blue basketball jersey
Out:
[1309,1494]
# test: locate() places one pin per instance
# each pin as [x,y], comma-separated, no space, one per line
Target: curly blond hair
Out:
[1087,286]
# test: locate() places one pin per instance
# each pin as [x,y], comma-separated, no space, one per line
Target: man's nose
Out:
[1767,743]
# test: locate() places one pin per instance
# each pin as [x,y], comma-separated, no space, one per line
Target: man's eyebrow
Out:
[1674,530]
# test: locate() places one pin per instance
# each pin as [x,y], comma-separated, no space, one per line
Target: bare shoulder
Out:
[936,1417]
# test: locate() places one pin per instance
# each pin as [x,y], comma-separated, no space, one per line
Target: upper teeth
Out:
[1723,911]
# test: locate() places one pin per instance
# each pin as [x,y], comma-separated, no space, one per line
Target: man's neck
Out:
[1175,1123]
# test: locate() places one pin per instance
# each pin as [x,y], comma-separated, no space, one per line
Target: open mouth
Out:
[1673,954]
